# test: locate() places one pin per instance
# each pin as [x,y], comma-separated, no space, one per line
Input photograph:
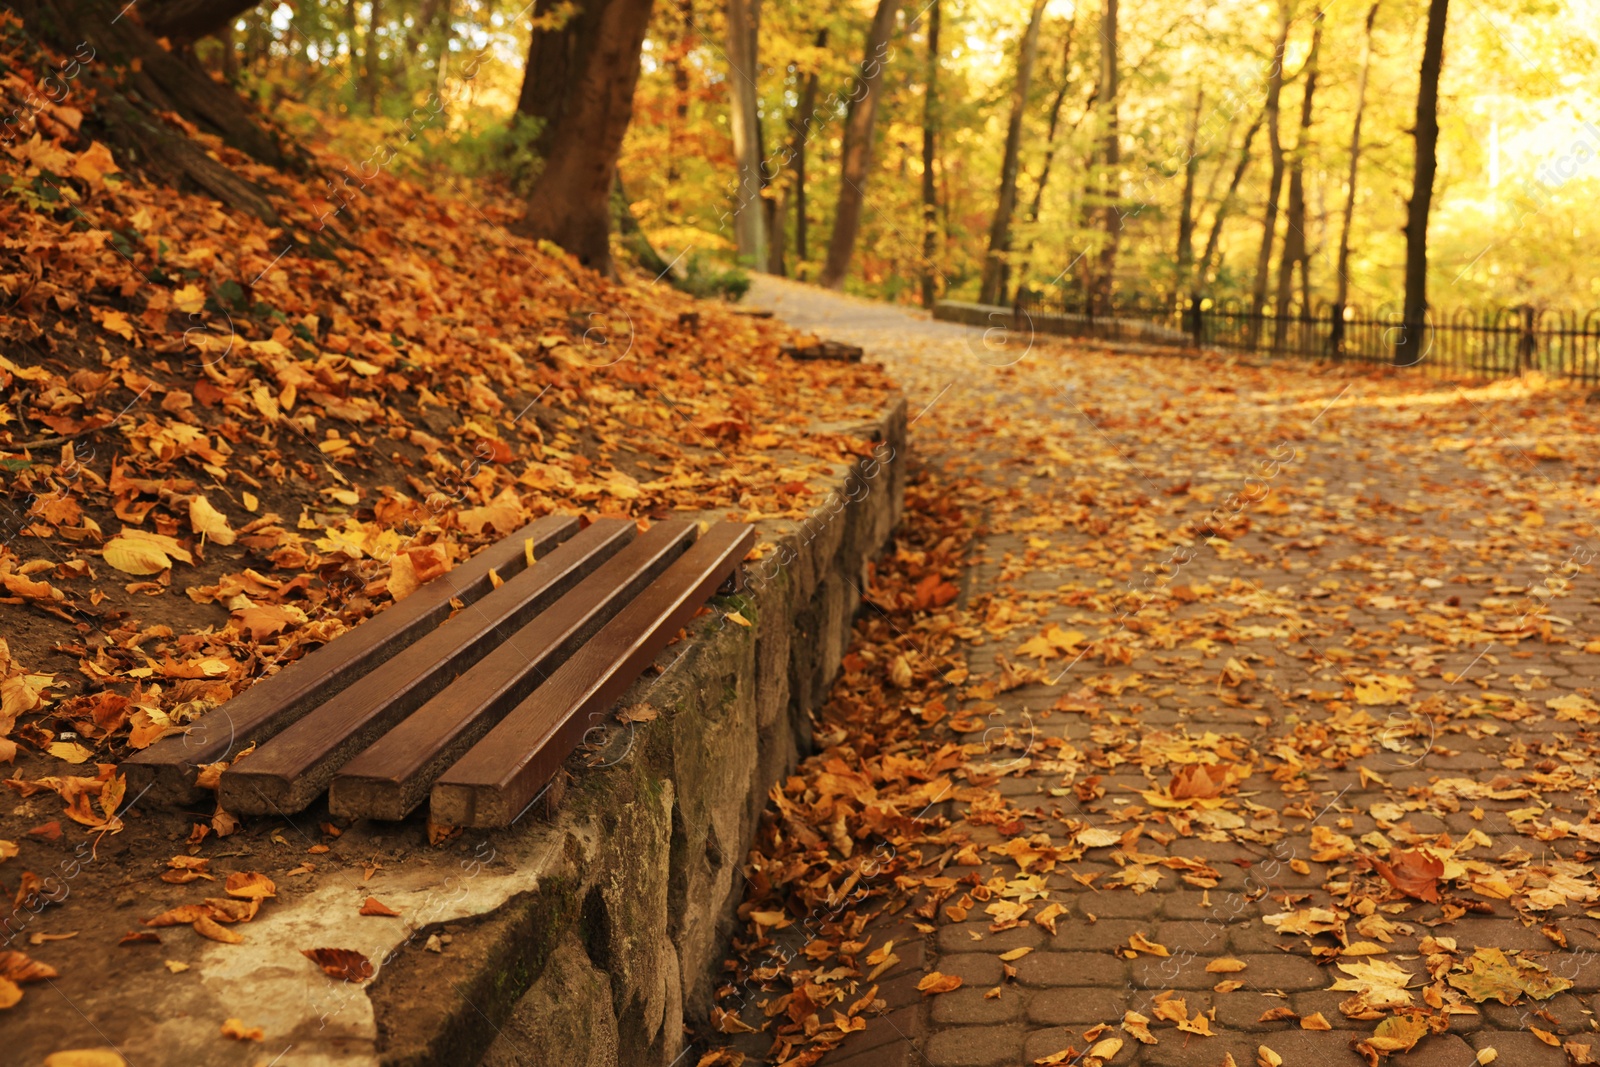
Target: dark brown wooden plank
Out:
[391,778]
[294,767]
[496,780]
[167,768]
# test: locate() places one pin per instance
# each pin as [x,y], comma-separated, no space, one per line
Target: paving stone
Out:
[974,968]
[1078,1006]
[1519,1049]
[958,937]
[1042,1043]
[1120,905]
[974,1046]
[972,1006]
[1441,1050]
[1072,969]
[894,1027]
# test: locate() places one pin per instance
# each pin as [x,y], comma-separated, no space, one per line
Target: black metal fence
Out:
[1496,343]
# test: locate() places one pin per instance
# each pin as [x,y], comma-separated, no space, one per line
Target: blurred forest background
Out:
[1076,147]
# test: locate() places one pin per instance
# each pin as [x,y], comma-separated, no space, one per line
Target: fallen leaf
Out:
[343,963]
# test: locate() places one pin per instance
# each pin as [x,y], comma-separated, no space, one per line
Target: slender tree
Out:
[1202,273]
[993,290]
[589,110]
[1342,271]
[1296,250]
[930,191]
[1111,160]
[1191,174]
[1414,316]
[1055,120]
[1269,223]
[800,135]
[749,214]
[856,159]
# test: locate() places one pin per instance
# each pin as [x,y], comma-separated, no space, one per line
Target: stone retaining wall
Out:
[624,898]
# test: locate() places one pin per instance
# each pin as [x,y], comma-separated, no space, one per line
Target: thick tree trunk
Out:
[1269,223]
[1296,249]
[556,61]
[1342,271]
[857,154]
[800,135]
[749,214]
[149,80]
[599,51]
[930,140]
[1409,348]
[1111,160]
[188,20]
[1191,174]
[993,289]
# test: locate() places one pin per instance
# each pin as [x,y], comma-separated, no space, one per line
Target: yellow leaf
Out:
[1015,954]
[85,1057]
[208,521]
[935,982]
[94,163]
[70,751]
[734,616]
[1225,965]
[115,322]
[134,555]
[189,299]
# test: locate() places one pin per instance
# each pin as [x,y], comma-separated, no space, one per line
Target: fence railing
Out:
[1486,343]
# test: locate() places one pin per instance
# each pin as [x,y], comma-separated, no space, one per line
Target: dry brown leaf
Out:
[345,964]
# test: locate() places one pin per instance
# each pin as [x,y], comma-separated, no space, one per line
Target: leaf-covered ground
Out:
[1263,730]
[223,444]
[216,453]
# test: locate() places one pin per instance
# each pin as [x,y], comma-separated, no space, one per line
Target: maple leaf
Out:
[1490,974]
[1414,872]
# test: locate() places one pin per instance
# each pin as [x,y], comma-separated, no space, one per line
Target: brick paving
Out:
[1414,531]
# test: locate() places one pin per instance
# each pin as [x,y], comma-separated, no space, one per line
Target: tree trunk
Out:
[1408,350]
[1050,134]
[1111,159]
[993,289]
[556,61]
[800,134]
[1055,121]
[1202,274]
[1269,224]
[1342,281]
[151,80]
[749,215]
[856,159]
[679,69]
[599,52]
[930,140]
[189,20]
[1191,174]
[1295,247]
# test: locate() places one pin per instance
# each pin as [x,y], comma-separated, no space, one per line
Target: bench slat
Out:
[167,768]
[292,769]
[391,778]
[504,772]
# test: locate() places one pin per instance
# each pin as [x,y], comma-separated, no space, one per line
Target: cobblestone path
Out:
[1281,676]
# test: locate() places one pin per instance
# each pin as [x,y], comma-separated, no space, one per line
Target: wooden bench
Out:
[477,704]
